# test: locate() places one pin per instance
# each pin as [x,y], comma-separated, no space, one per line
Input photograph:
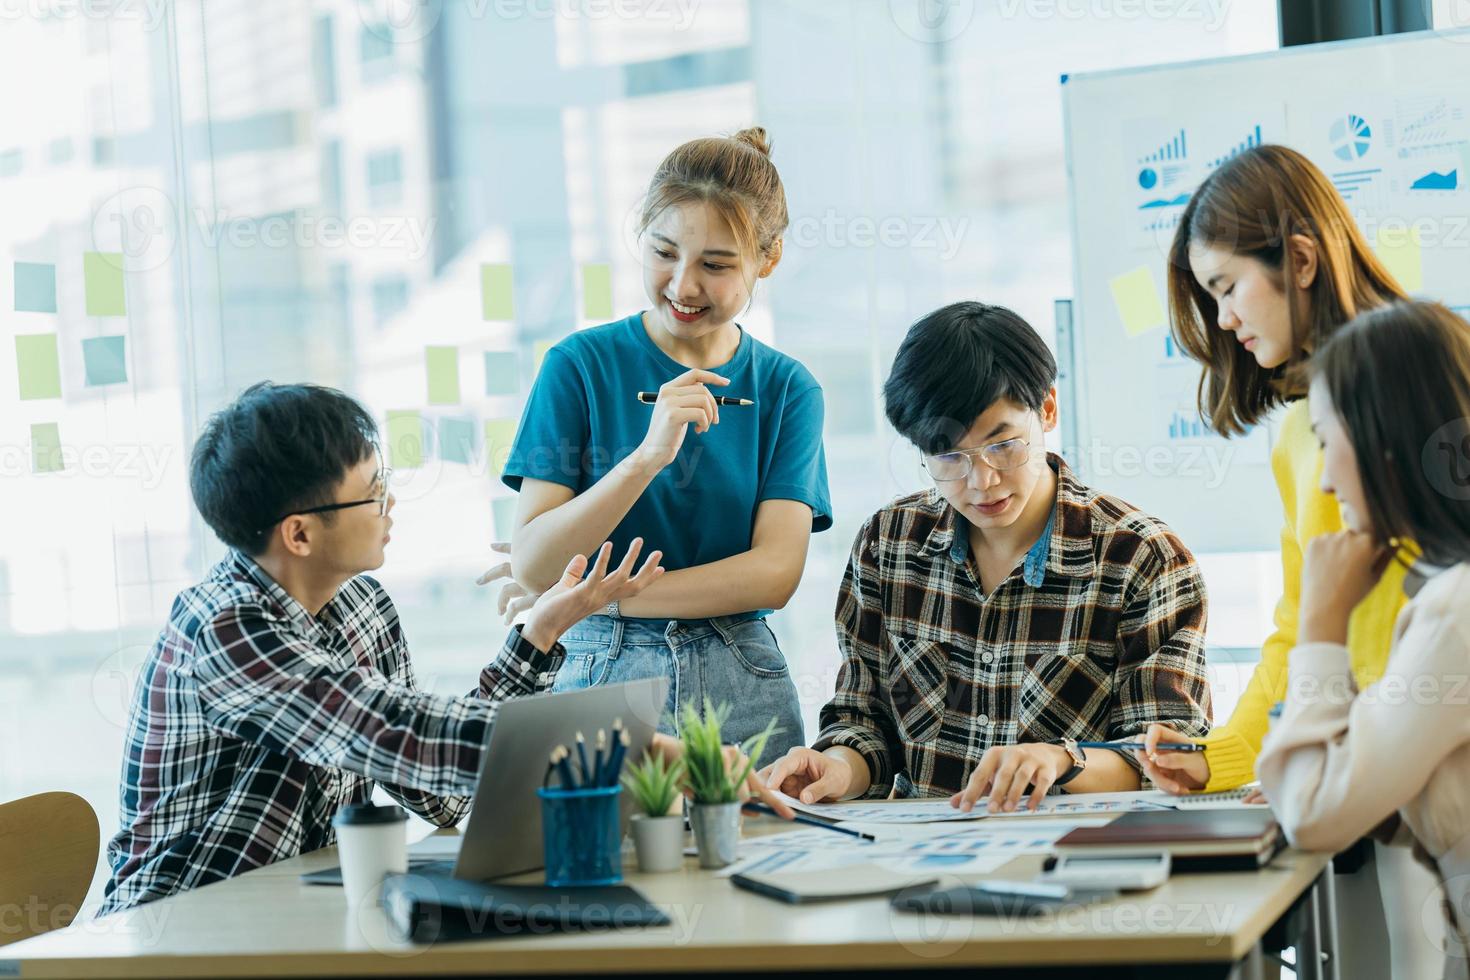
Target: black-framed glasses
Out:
[381,499]
[946,467]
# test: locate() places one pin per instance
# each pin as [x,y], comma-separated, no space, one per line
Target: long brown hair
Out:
[732,174]
[1399,379]
[1253,205]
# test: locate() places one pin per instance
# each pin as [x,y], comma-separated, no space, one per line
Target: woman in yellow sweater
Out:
[1266,265]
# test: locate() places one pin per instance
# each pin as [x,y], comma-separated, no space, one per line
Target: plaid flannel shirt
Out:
[253,722]
[1097,633]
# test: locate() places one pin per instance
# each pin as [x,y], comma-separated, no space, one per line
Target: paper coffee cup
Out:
[372,842]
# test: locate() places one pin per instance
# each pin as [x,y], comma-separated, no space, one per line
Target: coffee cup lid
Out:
[366,814]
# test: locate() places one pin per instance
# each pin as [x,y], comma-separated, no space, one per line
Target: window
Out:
[922,165]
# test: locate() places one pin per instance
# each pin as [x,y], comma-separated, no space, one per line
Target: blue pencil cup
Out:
[582,836]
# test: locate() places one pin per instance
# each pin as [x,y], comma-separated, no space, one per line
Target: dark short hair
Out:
[957,362]
[1399,379]
[275,449]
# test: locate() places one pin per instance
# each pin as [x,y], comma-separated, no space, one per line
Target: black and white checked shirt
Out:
[1099,632]
[253,722]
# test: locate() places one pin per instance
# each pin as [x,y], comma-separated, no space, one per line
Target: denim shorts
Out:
[730,660]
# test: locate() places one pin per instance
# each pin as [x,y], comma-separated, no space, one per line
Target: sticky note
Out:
[542,346]
[1400,251]
[1136,296]
[499,435]
[106,360]
[456,440]
[496,299]
[35,287]
[442,364]
[405,440]
[103,272]
[39,366]
[597,291]
[504,509]
[502,372]
[46,448]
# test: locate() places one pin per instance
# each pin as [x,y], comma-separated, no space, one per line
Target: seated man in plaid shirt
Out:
[281,688]
[989,624]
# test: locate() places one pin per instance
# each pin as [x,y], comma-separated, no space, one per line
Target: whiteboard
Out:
[1388,119]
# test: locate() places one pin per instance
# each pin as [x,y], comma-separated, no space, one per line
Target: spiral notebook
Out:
[1226,800]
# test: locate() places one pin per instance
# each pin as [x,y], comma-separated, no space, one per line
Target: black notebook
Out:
[430,908]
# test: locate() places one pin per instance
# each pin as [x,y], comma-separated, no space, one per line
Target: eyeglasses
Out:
[381,499]
[946,467]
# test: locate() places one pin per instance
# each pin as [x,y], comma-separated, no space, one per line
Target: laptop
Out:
[503,833]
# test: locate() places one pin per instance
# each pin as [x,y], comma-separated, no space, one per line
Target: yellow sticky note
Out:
[500,434]
[597,291]
[497,301]
[542,346]
[46,448]
[1401,252]
[405,440]
[103,273]
[442,364]
[38,365]
[1136,295]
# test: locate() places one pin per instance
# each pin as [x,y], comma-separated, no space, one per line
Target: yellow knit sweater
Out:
[1231,748]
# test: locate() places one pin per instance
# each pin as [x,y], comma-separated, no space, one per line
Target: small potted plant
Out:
[658,837]
[714,789]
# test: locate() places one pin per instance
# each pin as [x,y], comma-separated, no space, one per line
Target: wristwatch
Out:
[1079,761]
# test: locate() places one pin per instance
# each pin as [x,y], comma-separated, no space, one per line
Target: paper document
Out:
[939,810]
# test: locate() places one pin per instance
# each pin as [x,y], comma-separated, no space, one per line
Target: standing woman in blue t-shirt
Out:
[730,494]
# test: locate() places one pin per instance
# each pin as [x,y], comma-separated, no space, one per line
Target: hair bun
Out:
[754,136]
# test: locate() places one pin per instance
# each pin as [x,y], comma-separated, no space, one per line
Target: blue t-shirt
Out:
[584,417]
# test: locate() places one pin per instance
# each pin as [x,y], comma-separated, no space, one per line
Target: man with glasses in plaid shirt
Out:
[990,624]
[281,688]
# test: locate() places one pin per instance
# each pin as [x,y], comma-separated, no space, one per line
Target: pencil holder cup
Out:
[582,836]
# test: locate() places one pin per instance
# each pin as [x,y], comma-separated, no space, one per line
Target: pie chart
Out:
[1350,138]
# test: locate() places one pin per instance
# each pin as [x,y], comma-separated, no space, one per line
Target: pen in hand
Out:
[650,397]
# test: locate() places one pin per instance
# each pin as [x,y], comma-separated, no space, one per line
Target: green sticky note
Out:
[106,360]
[504,509]
[597,291]
[456,440]
[496,299]
[500,434]
[103,272]
[38,365]
[405,440]
[46,448]
[502,373]
[1404,256]
[1136,295]
[443,369]
[35,287]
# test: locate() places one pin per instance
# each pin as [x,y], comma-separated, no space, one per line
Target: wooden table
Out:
[267,923]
